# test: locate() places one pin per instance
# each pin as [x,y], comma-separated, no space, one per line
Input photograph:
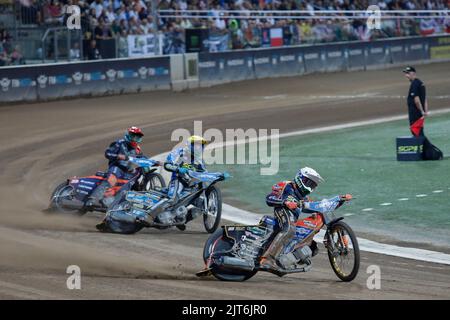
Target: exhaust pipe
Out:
[72,204]
[235,263]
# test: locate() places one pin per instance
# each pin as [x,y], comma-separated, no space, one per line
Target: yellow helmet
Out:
[194,139]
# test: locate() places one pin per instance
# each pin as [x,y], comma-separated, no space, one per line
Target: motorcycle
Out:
[233,253]
[71,196]
[152,208]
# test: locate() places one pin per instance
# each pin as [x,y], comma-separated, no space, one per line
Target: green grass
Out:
[362,161]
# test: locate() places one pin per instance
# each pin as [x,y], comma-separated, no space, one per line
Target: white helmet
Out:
[307,179]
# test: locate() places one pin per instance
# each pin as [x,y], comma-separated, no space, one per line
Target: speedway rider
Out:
[180,160]
[117,153]
[286,197]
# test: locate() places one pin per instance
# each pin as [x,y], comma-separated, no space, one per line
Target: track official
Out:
[417,102]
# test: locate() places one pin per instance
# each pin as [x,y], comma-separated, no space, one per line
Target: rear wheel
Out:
[343,251]
[63,191]
[216,243]
[211,219]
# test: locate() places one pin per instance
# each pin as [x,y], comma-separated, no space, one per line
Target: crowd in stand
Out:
[107,19]
[9,54]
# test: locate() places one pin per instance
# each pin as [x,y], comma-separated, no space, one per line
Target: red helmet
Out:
[134,136]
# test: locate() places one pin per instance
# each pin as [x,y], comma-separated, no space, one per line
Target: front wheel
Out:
[211,218]
[343,251]
[217,243]
[152,181]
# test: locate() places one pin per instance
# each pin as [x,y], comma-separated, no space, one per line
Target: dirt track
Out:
[41,144]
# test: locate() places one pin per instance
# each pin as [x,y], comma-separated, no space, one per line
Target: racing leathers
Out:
[285,197]
[118,168]
[178,162]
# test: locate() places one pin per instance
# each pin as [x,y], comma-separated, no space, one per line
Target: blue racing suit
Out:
[120,168]
[119,221]
[281,192]
[174,161]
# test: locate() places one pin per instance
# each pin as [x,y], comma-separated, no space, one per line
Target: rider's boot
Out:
[269,259]
[268,262]
[98,194]
[102,226]
[193,213]
[314,248]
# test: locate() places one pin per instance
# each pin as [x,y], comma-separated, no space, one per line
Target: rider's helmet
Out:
[134,136]
[306,180]
[196,145]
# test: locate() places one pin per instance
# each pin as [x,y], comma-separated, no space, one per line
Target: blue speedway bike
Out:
[133,210]
[233,253]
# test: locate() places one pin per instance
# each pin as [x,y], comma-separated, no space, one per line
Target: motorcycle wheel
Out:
[346,252]
[216,242]
[211,218]
[61,191]
[152,181]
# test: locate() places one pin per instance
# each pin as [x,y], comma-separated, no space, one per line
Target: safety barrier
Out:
[215,68]
[77,79]
[115,76]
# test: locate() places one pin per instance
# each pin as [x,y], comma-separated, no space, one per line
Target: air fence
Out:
[115,76]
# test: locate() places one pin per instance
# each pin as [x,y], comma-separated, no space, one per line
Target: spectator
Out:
[98,8]
[110,18]
[30,13]
[110,15]
[92,51]
[75,53]
[16,56]
[123,44]
[4,59]
[102,31]
[145,27]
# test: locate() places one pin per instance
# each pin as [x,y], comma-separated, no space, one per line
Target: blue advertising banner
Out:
[377,54]
[54,81]
[222,67]
[416,50]
[335,58]
[278,63]
[290,61]
[398,53]
[314,58]
[356,56]
[18,84]
[265,63]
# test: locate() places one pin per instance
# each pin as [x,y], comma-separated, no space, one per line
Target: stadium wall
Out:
[130,75]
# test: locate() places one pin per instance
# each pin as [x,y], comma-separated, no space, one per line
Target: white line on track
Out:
[438,191]
[367,209]
[421,195]
[403,199]
[386,204]
[244,217]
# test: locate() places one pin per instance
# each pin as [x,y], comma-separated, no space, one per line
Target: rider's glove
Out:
[292,205]
[346,197]
[182,170]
